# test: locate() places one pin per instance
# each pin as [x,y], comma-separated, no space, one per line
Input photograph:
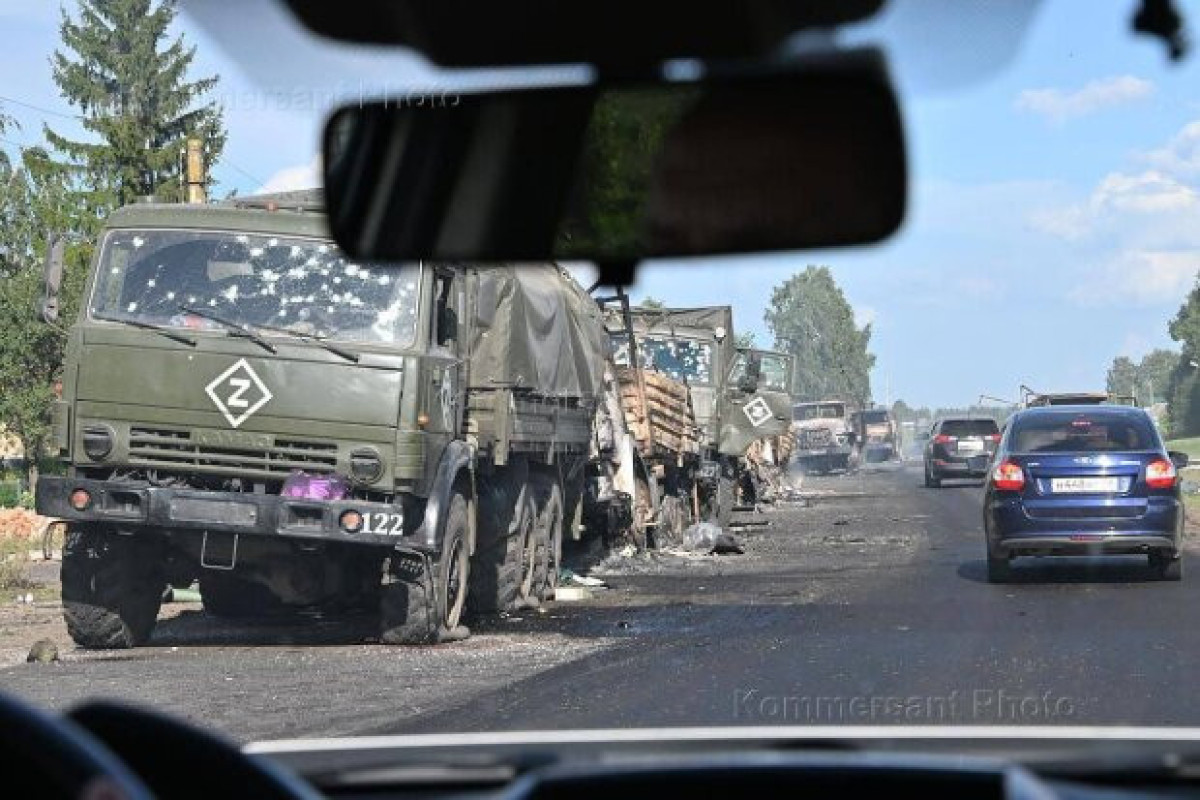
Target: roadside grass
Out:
[1190,446]
[14,568]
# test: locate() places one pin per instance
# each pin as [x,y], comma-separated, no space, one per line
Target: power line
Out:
[226,161]
[78,117]
[42,109]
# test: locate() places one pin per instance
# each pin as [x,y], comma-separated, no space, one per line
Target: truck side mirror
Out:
[52,275]
[750,378]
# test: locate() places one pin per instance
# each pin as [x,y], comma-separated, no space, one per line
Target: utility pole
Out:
[195,171]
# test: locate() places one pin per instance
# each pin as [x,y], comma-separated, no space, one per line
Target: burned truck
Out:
[735,395]
[826,440]
[245,406]
[876,432]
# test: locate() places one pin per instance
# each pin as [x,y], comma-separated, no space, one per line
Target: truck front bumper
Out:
[133,507]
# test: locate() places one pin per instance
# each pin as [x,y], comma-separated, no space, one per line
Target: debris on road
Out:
[569,578]
[701,536]
[43,651]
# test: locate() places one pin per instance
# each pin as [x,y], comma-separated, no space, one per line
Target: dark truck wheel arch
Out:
[454,472]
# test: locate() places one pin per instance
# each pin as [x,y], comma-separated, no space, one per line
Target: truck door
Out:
[756,399]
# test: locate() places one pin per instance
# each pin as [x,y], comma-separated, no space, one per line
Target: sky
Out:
[1054,220]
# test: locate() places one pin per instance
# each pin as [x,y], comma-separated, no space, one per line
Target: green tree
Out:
[745,339]
[34,200]
[902,411]
[1122,377]
[810,318]
[1183,387]
[1148,381]
[1154,375]
[135,98]
[650,302]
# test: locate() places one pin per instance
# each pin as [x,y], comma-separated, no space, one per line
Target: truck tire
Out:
[231,597]
[548,535]
[502,570]
[112,588]
[427,609]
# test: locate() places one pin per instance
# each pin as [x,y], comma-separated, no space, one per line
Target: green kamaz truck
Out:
[738,395]
[244,405]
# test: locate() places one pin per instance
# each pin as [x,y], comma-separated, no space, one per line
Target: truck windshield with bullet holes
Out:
[245,406]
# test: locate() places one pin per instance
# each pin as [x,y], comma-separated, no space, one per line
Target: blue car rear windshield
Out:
[1076,432]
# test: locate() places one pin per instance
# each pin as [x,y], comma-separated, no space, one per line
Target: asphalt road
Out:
[869,606]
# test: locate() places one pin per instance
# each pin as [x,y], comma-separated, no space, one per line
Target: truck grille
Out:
[164,448]
[815,437]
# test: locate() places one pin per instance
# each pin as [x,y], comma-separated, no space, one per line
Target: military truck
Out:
[244,405]
[825,437]
[877,434]
[737,396]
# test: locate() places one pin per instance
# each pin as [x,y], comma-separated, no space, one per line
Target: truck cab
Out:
[825,436]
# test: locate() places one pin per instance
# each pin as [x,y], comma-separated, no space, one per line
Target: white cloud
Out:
[865,315]
[1181,155]
[1140,277]
[1059,106]
[300,176]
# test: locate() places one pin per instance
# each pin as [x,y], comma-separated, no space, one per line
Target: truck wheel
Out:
[231,597]
[502,570]
[419,609]
[548,535]
[112,588]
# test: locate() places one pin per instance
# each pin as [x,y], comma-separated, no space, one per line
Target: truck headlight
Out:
[365,465]
[98,441]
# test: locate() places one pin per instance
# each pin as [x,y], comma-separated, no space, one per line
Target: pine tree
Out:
[134,96]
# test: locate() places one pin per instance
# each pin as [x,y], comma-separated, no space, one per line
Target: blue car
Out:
[1083,480]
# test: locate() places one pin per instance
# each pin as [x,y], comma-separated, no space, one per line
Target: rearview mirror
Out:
[1179,459]
[52,275]
[804,157]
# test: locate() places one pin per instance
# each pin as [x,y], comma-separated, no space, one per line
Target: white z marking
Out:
[235,400]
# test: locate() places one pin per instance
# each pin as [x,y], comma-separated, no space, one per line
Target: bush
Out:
[10,494]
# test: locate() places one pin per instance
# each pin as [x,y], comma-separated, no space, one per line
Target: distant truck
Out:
[877,435]
[826,439]
[736,396]
[244,405]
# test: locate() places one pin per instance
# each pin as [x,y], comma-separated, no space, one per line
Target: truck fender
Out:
[456,463]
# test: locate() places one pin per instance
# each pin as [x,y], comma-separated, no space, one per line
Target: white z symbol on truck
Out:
[236,388]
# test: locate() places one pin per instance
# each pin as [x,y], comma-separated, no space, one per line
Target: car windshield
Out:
[256,482]
[1072,432]
[969,427]
[175,277]
[819,411]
